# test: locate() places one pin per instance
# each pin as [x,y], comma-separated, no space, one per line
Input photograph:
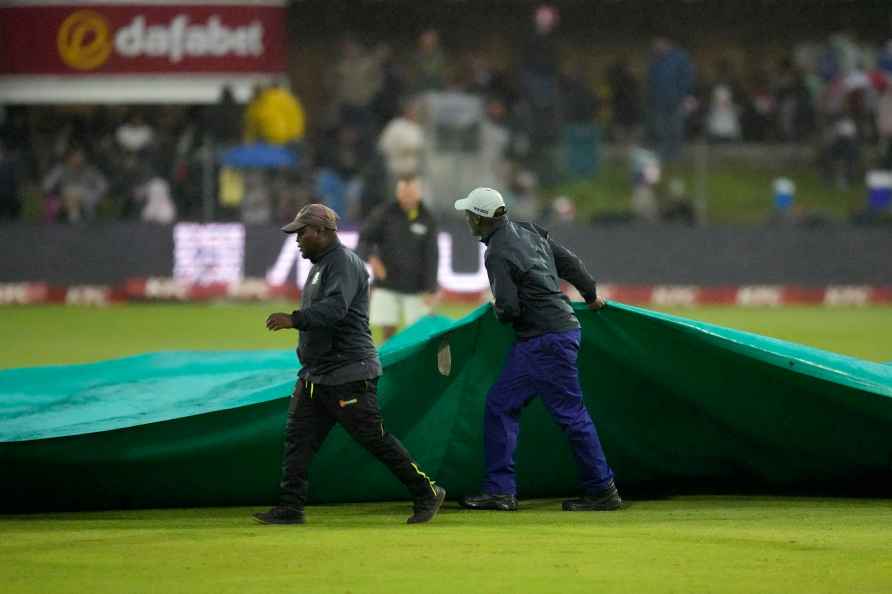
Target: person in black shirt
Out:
[525,267]
[339,373]
[399,242]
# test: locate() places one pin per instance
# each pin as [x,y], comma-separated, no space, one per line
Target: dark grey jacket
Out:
[336,344]
[525,267]
[408,248]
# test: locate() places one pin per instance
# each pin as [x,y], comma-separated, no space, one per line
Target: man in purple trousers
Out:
[525,267]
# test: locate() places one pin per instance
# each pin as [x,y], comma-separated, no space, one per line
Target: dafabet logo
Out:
[83,40]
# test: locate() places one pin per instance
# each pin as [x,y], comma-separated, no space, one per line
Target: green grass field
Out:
[45,335]
[682,544]
[687,544]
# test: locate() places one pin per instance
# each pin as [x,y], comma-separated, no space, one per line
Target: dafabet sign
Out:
[133,39]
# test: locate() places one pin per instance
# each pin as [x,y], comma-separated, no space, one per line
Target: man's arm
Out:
[331,307]
[572,269]
[507,303]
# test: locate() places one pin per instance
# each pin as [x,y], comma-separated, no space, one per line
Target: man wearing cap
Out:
[399,241]
[525,267]
[339,372]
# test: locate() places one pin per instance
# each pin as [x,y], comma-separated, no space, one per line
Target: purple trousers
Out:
[543,366]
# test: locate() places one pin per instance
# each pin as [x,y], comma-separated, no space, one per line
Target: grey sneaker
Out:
[281,514]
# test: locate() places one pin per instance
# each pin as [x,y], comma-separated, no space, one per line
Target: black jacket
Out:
[407,247]
[336,344]
[525,267]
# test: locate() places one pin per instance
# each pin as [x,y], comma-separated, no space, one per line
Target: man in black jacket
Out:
[399,242]
[525,267]
[339,372]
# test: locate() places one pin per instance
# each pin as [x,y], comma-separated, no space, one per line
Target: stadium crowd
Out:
[536,125]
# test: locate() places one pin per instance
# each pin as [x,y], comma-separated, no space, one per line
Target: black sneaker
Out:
[606,500]
[426,508]
[498,502]
[281,514]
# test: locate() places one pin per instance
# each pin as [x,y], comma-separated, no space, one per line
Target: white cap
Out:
[482,201]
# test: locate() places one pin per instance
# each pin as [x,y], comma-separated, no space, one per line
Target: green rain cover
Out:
[681,407]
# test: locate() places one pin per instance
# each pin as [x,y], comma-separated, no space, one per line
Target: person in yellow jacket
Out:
[274,116]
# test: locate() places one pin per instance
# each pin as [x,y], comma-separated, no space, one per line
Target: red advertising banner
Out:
[83,38]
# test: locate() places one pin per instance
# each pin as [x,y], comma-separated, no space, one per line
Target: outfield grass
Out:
[686,544]
[44,335]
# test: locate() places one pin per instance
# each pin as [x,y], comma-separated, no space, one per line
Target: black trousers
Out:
[313,412]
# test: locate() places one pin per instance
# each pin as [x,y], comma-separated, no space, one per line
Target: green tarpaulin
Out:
[681,406]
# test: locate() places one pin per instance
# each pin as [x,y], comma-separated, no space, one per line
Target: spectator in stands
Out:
[723,119]
[670,85]
[540,94]
[223,119]
[625,103]
[76,186]
[354,81]
[157,203]
[795,111]
[884,122]
[430,63]
[386,104]
[399,242]
[10,203]
[275,116]
[135,135]
[402,142]
[495,138]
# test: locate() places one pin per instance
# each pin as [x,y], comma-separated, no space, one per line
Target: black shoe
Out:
[426,507]
[606,500]
[498,502]
[281,514]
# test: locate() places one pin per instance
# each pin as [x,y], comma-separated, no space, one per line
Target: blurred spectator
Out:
[402,142]
[274,116]
[646,174]
[842,151]
[75,187]
[540,94]
[223,119]
[723,104]
[580,133]
[135,135]
[795,112]
[430,63]
[884,122]
[759,108]
[485,80]
[670,84]
[625,103]
[256,204]
[10,203]
[723,120]
[884,59]
[158,205]
[386,104]
[494,141]
[355,81]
